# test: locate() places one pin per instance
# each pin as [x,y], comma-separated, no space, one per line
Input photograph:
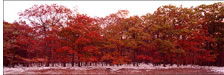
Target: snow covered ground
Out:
[215,69]
[148,67]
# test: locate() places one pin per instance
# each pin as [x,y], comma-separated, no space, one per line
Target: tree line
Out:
[50,34]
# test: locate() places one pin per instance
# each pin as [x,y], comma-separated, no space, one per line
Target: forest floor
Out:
[142,69]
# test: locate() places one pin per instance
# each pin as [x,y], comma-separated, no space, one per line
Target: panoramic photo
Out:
[113,37]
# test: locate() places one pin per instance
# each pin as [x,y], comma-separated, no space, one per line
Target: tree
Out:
[46,20]
[81,33]
[171,35]
[18,44]
[212,20]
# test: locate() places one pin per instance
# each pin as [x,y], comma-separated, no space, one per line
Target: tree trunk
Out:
[73,56]
[64,64]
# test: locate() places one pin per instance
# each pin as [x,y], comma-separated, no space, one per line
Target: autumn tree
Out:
[114,35]
[171,35]
[82,36]
[18,44]
[46,20]
[211,17]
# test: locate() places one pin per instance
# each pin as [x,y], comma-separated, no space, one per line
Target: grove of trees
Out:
[50,34]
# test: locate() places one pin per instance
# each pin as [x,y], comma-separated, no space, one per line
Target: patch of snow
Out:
[148,67]
[13,70]
[216,69]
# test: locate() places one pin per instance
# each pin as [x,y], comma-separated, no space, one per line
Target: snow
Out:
[148,67]
[216,69]
[12,70]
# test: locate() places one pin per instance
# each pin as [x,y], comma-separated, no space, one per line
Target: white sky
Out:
[97,8]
